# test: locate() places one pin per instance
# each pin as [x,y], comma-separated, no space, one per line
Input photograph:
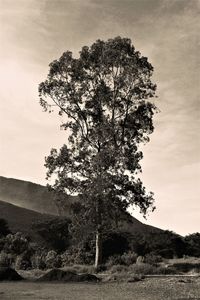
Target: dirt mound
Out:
[9,274]
[67,276]
[88,277]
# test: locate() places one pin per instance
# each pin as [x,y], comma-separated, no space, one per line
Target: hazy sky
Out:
[34,32]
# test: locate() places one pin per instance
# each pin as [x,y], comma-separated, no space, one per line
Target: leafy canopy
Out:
[104,95]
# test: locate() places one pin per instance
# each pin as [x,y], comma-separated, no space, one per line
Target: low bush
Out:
[129,258]
[143,268]
[16,243]
[80,269]
[118,269]
[187,267]
[53,260]
[6,260]
[38,261]
[165,271]
[125,259]
[76,257]
[22,263]
[152,259]
[147,269]
[113,261]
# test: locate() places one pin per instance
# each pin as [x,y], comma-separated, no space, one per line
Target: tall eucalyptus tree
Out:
[105,94]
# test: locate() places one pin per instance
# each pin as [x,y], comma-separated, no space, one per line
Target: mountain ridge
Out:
[26,200]
[29,195]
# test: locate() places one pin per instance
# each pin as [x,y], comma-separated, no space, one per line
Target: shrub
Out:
[114,260]
[22,263]
[142,269]
[193,244]
[129,258]
[81,269]
[76,256]
[165,253]
[16,243]
[147,269]
[164,243]
[5,259]
[118,269]
[65,259]
[70,258]
[152,259]
[187,267]
[38,261]
[124,259]
[165,271]
[101,268]
[52,260]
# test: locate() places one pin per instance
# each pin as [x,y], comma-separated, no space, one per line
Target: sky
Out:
[35,32]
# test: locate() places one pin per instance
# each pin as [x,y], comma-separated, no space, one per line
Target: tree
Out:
[104,95]
[193,244]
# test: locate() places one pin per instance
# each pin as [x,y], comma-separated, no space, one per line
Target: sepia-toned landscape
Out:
[99,150]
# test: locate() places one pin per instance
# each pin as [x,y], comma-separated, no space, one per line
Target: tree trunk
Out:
[98,255]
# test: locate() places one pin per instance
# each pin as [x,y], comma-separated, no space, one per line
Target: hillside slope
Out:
[29,195]
[23,202]
[21,219]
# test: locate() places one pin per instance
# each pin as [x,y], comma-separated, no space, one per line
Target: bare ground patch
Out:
[148,289]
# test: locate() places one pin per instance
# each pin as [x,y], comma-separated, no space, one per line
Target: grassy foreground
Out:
[148,289]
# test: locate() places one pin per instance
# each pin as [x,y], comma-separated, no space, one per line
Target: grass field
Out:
[148,289]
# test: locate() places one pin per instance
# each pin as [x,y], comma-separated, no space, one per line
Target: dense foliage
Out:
[193,244]
[119,248]
[166,244]
[104,95]
[55,233]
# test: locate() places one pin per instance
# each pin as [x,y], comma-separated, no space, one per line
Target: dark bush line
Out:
[119,248]
[186,267]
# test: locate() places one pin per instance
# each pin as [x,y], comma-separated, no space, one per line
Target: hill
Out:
[29,195]
[21,219]
[23,202]
[38,198]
